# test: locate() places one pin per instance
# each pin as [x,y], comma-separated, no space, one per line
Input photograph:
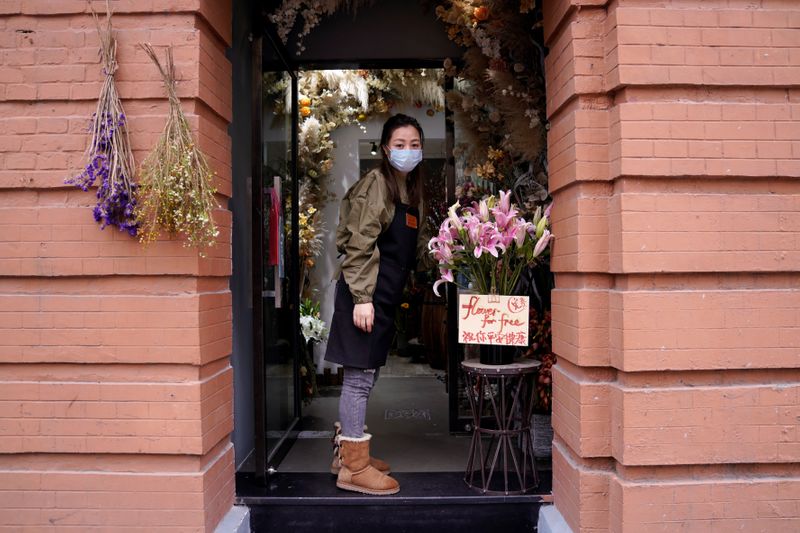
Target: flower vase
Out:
[493,354]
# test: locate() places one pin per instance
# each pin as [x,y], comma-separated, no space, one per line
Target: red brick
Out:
[735,19]
[770,19]
[771,56]
[701,55]
[736,37]
[736,56]
[787,130]
[785,37]
[665,17]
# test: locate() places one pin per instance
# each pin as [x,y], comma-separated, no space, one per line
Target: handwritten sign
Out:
[493,319]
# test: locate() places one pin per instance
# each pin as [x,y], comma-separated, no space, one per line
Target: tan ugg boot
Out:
[357,474]
[336,463]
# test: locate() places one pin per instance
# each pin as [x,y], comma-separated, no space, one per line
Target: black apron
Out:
[350,346]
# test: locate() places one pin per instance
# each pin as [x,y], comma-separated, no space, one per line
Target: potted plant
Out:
[490,246]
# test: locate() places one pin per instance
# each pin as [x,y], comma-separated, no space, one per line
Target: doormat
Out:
[407,414]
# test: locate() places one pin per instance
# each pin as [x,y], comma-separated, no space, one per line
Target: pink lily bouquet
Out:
[489,244]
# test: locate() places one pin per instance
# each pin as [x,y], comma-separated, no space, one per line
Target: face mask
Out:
[405,160]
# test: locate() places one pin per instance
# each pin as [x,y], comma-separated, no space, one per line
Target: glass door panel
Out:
[276,258]
[277,263]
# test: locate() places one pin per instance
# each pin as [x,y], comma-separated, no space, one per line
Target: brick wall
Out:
[115,382]
[674,151]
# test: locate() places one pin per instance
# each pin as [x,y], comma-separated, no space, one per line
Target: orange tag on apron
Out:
[411,221]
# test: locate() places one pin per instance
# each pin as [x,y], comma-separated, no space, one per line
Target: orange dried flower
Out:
[480,13]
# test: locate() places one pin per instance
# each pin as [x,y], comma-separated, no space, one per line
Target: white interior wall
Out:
[345,173]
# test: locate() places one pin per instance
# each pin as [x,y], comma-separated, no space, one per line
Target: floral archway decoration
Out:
[329,99]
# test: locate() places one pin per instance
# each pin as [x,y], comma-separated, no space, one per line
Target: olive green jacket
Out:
[365,212]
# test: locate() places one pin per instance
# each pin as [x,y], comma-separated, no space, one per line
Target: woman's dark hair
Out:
[415,177]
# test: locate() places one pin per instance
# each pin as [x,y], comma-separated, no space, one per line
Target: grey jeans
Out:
[357,383]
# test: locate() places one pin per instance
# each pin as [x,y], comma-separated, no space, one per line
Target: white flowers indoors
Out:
[311,325]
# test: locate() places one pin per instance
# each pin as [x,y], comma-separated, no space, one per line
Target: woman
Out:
[379,235]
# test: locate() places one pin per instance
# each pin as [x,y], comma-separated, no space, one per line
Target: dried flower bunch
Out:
[310,230]
[109,156]
[176,192]
[498,99]
[312,13]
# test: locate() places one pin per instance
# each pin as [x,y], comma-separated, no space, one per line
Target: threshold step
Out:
[420,488]
[433,502]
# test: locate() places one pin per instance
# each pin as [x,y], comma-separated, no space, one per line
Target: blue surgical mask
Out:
[405,160]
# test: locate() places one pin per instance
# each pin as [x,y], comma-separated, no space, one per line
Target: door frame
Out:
[267,36]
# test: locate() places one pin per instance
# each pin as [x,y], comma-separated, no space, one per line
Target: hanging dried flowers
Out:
[498,100]
[312,12]
[311,228]
[108,155]
[176,193]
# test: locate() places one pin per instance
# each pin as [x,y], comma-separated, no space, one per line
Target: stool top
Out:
[520,366]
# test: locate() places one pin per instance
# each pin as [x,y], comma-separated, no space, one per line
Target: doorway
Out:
[292,419]
[333,118]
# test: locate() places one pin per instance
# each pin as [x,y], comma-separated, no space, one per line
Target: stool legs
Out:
[510,400]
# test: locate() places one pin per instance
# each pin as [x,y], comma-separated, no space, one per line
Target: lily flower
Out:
[547,211]
[488,241]
[443,254]
[542,243]
[540,227]
[472,225]
[509,233]
[505,202]
[483,211]
[447,276]
[503,218]
[519,234]
[537,215]
[453,216]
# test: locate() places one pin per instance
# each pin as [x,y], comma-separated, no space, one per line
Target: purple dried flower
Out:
[114,207]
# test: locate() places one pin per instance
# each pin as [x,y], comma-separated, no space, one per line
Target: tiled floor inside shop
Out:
[407,416]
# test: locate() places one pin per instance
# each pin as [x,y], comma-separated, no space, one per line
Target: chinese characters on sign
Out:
[492,319]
